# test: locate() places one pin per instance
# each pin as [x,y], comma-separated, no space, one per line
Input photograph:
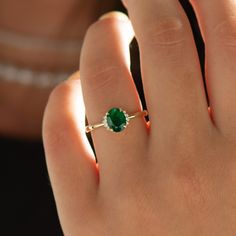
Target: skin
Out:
[175,176]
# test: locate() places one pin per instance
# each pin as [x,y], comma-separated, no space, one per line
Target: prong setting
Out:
[116,120]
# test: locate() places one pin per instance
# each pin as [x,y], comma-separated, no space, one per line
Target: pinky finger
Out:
[71,164]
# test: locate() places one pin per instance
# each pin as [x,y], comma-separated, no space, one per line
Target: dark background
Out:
[28,207]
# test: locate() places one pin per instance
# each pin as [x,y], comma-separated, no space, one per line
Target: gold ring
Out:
[115,120]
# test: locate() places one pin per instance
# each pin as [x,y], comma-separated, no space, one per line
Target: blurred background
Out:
[40,43]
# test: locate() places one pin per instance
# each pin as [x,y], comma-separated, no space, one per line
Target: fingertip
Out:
[119,17]
[113,27]
[115,14]
[64,138]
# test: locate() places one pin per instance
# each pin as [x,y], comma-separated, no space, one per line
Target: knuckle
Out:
[101,77]
[192,185]
[185,172]
[166,32]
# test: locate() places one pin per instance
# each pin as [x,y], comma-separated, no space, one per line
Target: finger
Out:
[218,25]
[107,82]
[170,67]
[70,161]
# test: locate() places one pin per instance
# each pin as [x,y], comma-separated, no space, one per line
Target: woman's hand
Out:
[174,176]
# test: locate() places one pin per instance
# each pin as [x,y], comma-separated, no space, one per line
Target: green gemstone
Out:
[116,119]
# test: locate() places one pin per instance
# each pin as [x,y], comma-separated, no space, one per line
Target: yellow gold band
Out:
[90,128]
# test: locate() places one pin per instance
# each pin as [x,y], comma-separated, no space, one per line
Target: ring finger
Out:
[107,82]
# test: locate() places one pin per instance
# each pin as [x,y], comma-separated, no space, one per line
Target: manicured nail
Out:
[115,14]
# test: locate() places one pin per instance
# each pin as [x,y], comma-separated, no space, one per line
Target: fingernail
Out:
[115,14]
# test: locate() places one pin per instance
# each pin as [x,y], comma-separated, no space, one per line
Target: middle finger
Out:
[171,72]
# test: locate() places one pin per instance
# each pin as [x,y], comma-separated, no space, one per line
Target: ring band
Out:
[115,120]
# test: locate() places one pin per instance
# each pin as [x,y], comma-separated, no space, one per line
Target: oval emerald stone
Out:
[116,119]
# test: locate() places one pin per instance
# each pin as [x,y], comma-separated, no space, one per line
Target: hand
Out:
[174,176]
